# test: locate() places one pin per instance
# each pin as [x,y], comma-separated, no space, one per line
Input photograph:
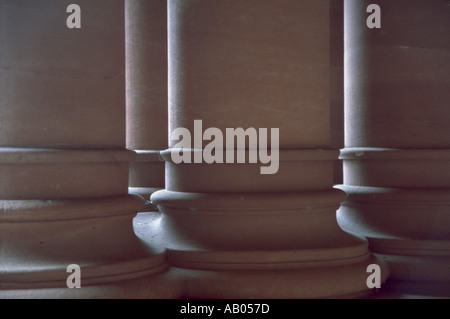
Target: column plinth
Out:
[234,232]
[396,156]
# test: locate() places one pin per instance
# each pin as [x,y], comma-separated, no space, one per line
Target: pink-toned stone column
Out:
[396,160]
[146,98]
[337,82]
[233,231]
[63,164]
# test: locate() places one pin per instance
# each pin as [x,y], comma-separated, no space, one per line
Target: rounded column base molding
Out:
[291,237]
[164,285]
[393,213]
[410,247]
[409,227]
[424,268]
[35,173]
[286,221]
[40,239]
[344,281]
[396,168]
[298,170]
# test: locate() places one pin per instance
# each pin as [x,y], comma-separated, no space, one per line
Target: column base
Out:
[424,268]
[408,228]
[262,245]
[165,284]
[40,239]
[347,281]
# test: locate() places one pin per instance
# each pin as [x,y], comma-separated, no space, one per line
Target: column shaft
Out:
[146,85]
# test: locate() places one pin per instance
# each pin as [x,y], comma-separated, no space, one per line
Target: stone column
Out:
[146,99]
[63,163]
[396,160]
[234,231]
[337,82]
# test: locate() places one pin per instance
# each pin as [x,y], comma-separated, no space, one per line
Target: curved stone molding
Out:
[416,244]
[289,221]
[63,164]
[396,160]
[162,286]
[41,238]
[62,173]
[260,238]
[314,173]
[232,231]
[397,168]
[296,282]
[146,100]
[398,213]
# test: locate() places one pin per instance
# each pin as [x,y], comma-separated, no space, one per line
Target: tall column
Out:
[396,160]
[146,98]
[234,231]
[337,82]
[63,163]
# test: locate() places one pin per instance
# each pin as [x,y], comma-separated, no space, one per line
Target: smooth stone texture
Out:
[396,160]
[260,64]
[56,91]
[396,87]
[253,63]
[146,74]
[63,163]
[147,170]
[146,93]
[62,173]
[262,273]
[41,238]
[299,170]
[321,282]
[396,168]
